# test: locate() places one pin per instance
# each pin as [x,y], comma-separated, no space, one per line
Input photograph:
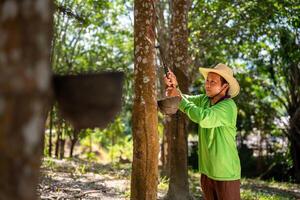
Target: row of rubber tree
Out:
[26,92]
[26,30]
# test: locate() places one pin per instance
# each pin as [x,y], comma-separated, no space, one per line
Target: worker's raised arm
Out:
[221,114]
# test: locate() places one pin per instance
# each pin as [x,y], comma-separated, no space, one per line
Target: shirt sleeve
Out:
[192,98]
[196,99]
[221,114]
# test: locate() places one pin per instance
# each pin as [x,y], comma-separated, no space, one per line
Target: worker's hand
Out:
[170,80]
[171,92]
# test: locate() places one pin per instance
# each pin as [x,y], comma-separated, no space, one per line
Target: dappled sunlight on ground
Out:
[80,179]
[64,179]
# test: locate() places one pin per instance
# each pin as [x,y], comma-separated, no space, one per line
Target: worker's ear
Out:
[225,85]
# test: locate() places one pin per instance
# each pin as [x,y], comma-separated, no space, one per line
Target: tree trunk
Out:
[62,143]
[91,143]
[163,41]
[295,143]
[26,30]
[259,163]
[73,142]
[74,139]
[62,140]
[165,149]
[58,139]
[144,177]
[178,184]
[295,151]
[50,133]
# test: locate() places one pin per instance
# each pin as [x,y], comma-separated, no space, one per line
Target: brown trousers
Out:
[220,190]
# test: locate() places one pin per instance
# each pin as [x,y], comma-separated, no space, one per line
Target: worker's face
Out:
[213,84]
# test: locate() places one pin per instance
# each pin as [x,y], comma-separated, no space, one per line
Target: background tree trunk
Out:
[295,143]
[62,148]
[74,138]
[162,36]
[50,132]
[144,178]
[178,184]
[26,31]
[58,138]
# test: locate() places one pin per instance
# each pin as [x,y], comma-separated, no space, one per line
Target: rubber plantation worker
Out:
[216,113]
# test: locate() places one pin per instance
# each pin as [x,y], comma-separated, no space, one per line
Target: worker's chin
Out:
[209,94]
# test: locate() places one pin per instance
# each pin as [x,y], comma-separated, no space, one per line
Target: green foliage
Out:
[49,164]
[258,39]
[258,113]
[111,134]
[163,183]
[91,38]
[114,139]
[91,156]
[250,195]
[81,169]
[122,150]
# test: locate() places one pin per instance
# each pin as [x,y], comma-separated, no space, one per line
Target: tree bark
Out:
[62,148]
[163,36]
[26,31]
[179,59]
[165,148]
[295,143]
[50,132]
[73,139]
[144,177]
[58,137]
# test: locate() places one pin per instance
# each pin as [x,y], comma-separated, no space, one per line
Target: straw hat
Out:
[227,73]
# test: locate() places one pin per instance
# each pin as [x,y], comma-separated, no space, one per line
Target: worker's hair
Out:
[223,81]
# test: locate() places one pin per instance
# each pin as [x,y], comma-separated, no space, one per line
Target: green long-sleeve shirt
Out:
[218,156]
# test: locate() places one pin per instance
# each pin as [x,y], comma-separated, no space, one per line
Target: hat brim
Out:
[234,87]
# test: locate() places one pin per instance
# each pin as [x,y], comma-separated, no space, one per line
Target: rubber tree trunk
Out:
[62,140]
[50,133]
[144,177]
[74,138]
[294,132]
[165,148]
[25,40]
[178,184]
[162,27]
[58,138]
[62,143]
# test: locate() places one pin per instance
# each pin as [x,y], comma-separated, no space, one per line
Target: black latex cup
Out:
[169,105]
[89,100]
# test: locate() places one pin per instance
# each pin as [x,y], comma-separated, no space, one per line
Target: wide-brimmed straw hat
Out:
[227,73]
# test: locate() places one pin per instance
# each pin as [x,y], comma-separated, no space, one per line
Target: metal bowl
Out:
[169,105]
